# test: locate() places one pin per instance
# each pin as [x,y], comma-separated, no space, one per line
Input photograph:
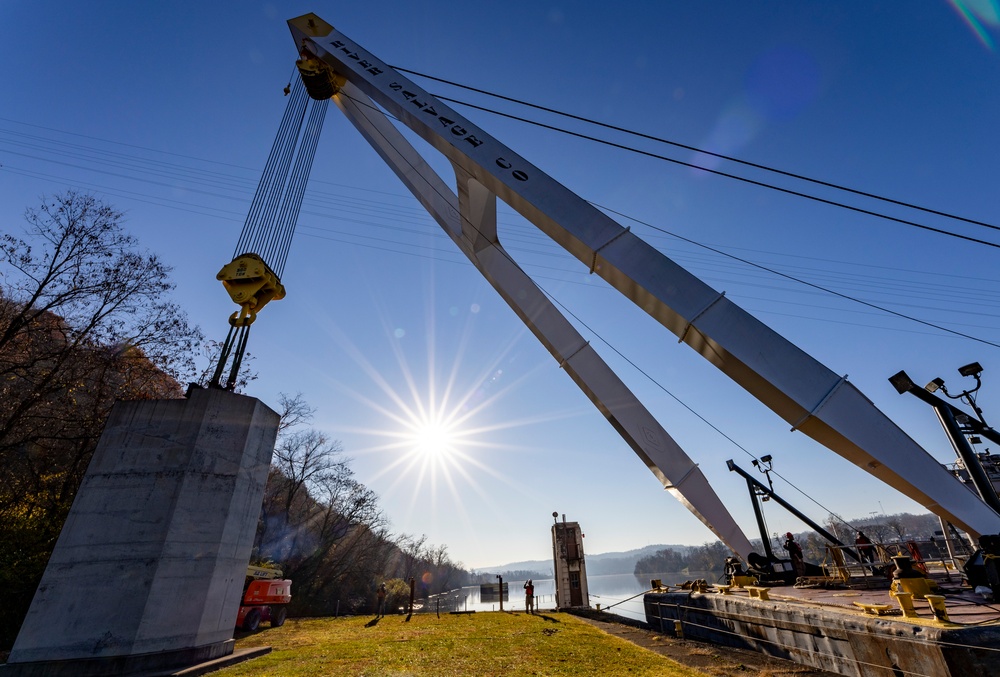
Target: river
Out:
[618,593]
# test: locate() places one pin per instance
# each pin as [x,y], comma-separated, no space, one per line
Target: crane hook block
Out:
[321,81]
[250,282]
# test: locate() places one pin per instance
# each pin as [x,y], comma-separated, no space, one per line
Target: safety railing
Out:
[927,555]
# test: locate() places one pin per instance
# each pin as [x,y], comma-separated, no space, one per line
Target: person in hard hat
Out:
[795,554]
[529,596]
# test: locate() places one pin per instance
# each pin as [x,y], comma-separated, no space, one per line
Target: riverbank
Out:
[456,645]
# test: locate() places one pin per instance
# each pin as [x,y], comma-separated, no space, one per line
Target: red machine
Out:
[265,597]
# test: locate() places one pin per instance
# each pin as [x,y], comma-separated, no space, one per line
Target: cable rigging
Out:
[677,144]
[253,277]
[505,254]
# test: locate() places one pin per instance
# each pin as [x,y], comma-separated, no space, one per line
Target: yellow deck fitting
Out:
[918,587]
[250,283]
[724,589]
[744,581]
[758,593]
[937,607]
[874,609]
[905,601]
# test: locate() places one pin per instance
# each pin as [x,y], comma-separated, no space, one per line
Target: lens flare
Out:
[979,15]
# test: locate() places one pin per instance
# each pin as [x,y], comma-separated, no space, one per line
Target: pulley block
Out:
[250,282]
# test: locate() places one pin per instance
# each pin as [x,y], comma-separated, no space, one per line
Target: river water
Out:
[618,593]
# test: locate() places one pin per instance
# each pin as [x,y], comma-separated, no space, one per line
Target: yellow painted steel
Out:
[938,607]
[251,284]
[311,25]
[918,587]
[905,601]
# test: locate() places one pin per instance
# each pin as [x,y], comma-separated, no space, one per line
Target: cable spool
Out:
[321,81]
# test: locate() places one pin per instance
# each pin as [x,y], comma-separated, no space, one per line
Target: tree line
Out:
[86,319]
[710,557]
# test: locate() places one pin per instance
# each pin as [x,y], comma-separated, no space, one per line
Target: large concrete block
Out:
[148,570]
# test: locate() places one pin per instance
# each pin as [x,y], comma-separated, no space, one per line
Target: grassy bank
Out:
[472,644]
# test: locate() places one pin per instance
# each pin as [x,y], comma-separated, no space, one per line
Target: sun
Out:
[434,439]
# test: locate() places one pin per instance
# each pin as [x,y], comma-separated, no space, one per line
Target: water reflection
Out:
[618,593]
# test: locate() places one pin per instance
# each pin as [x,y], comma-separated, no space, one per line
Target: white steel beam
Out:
[802,391]
[469,218]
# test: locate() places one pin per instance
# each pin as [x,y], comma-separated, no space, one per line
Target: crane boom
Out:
[801,390]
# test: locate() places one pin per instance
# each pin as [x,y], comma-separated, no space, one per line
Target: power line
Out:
[702,151]
[735,177]
[809,284]
[547,243]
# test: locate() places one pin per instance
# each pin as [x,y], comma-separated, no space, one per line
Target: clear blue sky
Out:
[168,111]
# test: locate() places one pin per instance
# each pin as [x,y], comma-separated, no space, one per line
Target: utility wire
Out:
[643,372]
[735,177]
[702,151]
[804,282]
[785,275]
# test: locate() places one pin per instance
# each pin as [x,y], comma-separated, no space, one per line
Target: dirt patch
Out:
[718,661]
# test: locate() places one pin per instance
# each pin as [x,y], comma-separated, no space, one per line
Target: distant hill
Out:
[597,565]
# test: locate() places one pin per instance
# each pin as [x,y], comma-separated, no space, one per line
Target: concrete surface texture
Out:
[153,556]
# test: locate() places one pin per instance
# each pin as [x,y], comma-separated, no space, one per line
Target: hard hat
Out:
[789,536]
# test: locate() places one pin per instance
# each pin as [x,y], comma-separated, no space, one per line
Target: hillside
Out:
[597,564]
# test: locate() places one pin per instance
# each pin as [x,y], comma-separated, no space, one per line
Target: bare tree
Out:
[294,411]
[323,526]
[897,527]
[85,320]
[81,266]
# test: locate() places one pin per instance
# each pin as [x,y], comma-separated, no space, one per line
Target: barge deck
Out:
[856,631]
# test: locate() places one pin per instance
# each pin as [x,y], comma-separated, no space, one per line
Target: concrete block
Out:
[150,564]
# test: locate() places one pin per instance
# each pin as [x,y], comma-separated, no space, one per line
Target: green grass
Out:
[472,644]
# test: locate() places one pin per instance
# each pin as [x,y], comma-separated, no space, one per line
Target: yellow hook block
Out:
[250,282]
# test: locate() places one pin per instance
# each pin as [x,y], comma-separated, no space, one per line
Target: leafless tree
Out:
[896,526]
[324,527]
[85,320]
[295,411]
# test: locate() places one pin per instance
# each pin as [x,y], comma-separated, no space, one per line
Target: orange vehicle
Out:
[265,598]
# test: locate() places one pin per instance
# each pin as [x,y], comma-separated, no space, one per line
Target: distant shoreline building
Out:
[569,565]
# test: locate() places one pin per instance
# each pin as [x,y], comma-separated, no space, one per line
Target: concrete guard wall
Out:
[149,568]
[836,641]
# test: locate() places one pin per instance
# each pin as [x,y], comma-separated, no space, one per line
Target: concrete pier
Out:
[148,571]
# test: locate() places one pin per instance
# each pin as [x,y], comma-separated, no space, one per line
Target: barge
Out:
[848,630]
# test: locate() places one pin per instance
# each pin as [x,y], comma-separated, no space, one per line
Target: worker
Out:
[380,611]
[529,596]
[795,554]
[865,548]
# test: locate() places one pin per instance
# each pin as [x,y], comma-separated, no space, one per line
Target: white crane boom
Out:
[802,391]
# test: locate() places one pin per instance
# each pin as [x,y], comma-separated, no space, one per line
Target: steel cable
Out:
[295,192]
[255,235]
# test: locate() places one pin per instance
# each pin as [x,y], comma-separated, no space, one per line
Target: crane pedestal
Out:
[148,571]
